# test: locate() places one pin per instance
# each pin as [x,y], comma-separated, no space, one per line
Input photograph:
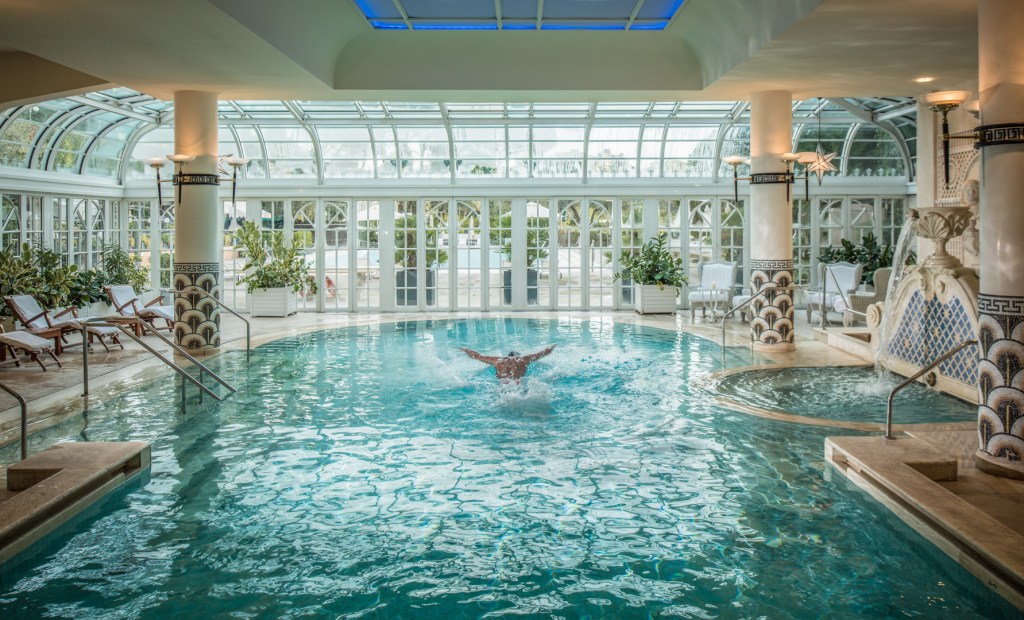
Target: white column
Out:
[1001,302]
[771,219]
[197,222]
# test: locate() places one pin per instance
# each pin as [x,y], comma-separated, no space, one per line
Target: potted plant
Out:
[407,265]
[536,250]
[657,276]
[274,272]
[869,253]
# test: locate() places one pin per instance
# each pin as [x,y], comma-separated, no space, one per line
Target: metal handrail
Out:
[764,287]
[824,293]
[892,394]
[122,324]
[24,417]
[221,304]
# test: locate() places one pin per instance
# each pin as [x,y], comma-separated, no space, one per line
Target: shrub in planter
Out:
[653,265]
[270,263]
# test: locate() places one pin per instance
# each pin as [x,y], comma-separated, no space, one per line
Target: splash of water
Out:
[905,245]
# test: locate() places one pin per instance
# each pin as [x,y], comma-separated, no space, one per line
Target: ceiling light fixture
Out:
[924,79]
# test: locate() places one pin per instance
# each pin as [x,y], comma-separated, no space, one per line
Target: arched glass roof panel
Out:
[89,134]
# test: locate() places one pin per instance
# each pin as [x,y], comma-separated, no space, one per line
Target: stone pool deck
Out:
[959,511]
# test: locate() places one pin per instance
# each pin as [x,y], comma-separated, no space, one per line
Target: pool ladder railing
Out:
[827,269]
[126,325]
[193,289]
[24,417]
[766,286]
[918,375]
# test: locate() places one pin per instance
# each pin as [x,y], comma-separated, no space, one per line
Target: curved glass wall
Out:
[482,160]
[110,133]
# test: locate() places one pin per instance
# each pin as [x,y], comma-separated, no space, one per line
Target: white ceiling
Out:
[324,49]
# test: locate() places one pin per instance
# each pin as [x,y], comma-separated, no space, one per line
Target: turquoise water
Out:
[378,472]
[855,394]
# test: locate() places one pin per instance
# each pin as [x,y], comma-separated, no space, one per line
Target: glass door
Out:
[468,247]
[434,272]
[600,254]
[406,255]
[499,255]
[569,258]
[303,239]
[365,255]
[631,239]
[335,283]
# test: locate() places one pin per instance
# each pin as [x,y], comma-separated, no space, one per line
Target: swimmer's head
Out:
[513,354]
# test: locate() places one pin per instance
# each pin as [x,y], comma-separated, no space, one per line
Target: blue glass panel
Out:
[583,25]
[465,9]
[659,9]
[588,9]
[455,26]
[380,9]
[649,25]
[519,25]
[521,9]
[387,25]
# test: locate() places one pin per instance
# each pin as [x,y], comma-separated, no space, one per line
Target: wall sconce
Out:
[983,135]
[945,102]
[811,161]
[180,178]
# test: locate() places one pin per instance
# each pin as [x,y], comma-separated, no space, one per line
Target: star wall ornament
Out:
[821,165]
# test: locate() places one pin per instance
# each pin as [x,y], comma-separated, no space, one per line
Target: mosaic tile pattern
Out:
[1001,376]
[928,329]
[196,318]
[773,311]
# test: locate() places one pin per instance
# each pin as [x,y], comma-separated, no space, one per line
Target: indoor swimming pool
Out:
[379,472]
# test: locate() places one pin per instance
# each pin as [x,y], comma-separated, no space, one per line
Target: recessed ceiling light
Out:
[924,79]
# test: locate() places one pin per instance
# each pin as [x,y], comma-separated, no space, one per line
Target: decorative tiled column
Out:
[197,223]
[771,219]
[1001,300]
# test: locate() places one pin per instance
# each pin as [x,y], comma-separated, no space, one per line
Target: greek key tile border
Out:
[773,310]
[770,264]
[1000,304]
[1001,376]
[196,317]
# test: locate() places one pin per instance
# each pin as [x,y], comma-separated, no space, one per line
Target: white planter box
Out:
[649,299]
[273,302]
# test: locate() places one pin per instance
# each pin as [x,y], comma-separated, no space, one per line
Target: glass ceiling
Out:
[110,133]
[519,14]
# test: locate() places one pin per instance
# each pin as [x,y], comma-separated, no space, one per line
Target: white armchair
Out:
[715,291]
[826,299]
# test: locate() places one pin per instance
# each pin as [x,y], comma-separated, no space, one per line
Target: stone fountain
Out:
[933,308]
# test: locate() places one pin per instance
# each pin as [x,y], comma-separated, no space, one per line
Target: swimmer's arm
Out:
[539,354]
[482,358]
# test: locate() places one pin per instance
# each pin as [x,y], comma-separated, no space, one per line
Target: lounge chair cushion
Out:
[26,341]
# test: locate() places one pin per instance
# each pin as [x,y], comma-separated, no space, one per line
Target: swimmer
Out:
[510,367]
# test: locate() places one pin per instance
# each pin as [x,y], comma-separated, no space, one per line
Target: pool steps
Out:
[51,487]
[906,475]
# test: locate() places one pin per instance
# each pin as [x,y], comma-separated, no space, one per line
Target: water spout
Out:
[905,245]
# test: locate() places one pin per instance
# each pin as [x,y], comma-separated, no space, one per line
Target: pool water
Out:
[379,472]
[854,394]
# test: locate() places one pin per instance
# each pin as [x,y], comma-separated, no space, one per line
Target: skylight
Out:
[519,14]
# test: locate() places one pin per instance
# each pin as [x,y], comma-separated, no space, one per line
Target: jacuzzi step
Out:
[51,487]
[904,474]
